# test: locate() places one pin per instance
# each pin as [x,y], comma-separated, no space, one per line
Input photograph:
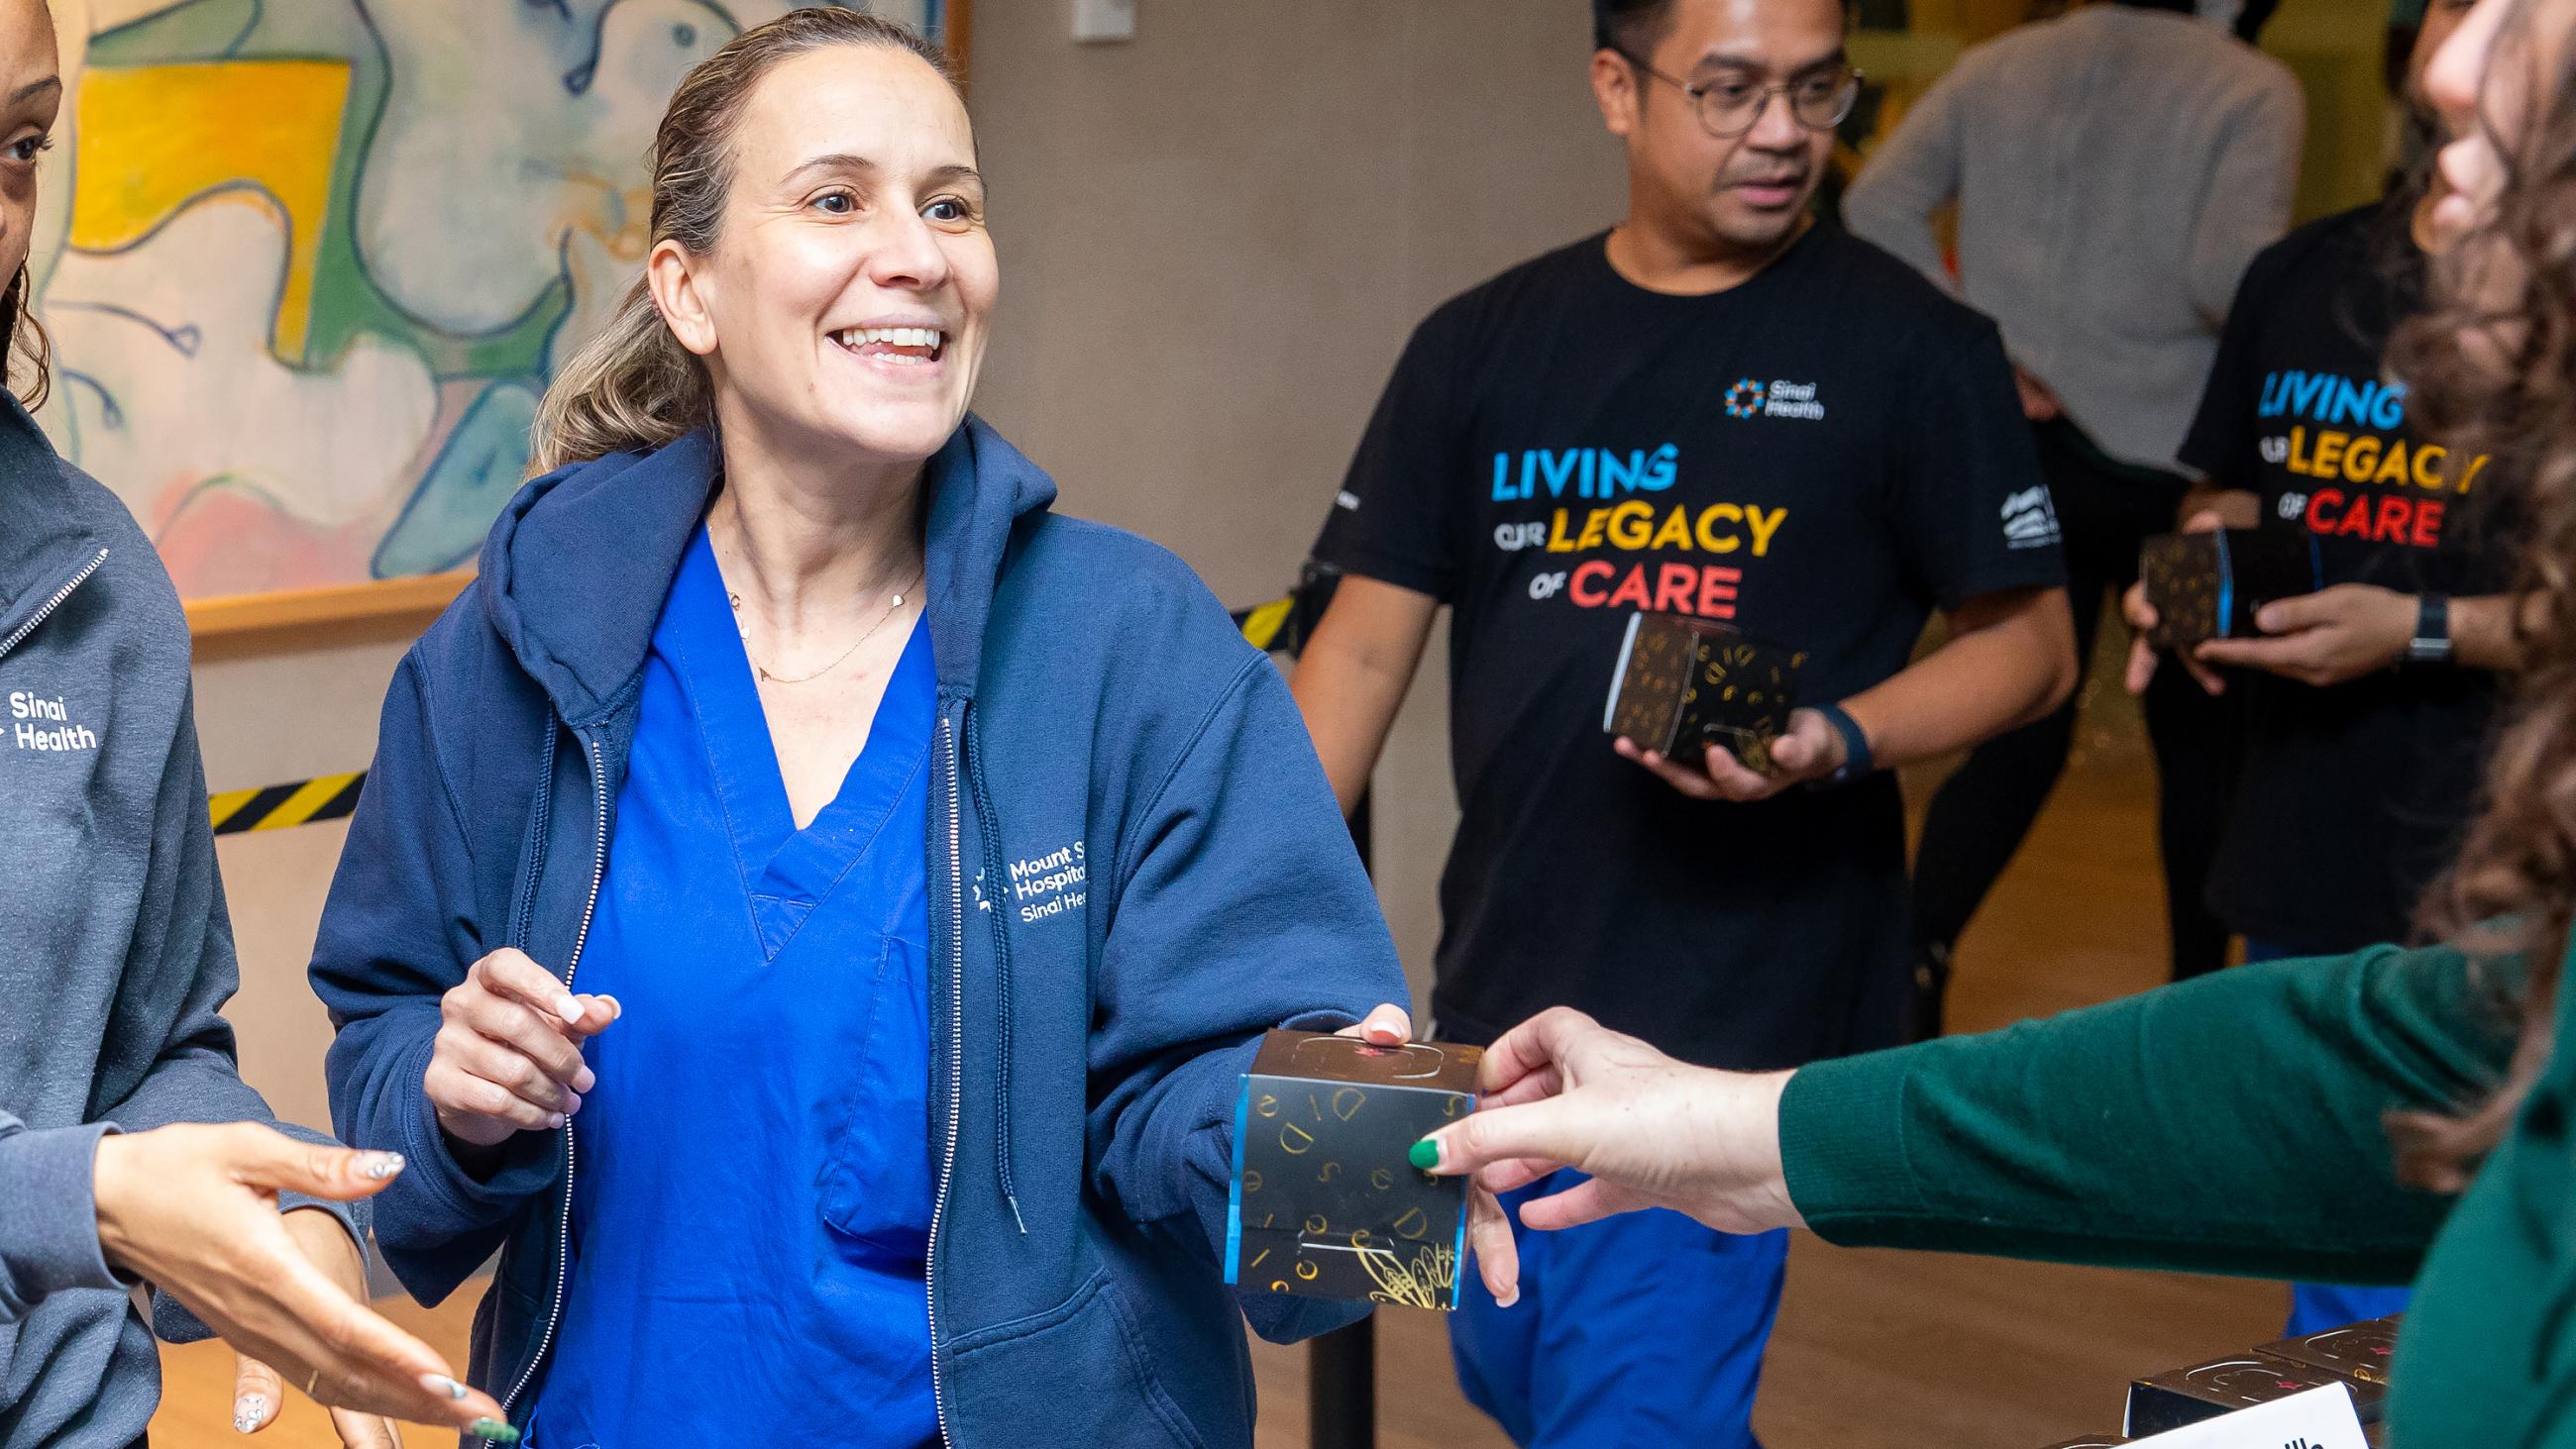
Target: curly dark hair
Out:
[2491,363]
[23,340]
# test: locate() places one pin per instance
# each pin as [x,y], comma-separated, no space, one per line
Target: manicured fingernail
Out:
[492,1431]
[1424,1154]
[568,1009]
[443,1386]
[380,1165]
[555,1119]
[250,1413]
[584,1080]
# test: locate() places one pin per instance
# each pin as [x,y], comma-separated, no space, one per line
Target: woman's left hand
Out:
[257,1393]
[1489,1231]
[2325,638]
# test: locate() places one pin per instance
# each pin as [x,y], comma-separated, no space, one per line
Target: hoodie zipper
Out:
[956,1072]
[56,602]
[590,907]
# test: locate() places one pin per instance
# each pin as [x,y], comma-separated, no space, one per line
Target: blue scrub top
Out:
[752,1198]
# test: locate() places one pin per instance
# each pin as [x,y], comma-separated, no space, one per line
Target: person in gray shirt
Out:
[2114,171]
[131,1151]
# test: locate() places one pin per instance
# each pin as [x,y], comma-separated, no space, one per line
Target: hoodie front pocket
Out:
[875,1186]
[1086,1361]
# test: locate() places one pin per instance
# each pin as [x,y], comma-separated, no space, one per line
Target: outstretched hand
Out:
[1563,1091]
[193,1210]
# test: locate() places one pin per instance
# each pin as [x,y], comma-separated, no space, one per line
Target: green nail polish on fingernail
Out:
[492,1431]
[1425,1154]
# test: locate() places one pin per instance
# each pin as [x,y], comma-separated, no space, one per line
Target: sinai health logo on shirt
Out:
[2030,520]
[45,725]
[1750,398]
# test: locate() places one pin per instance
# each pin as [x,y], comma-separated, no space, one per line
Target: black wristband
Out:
[1857,761]
[2432,642]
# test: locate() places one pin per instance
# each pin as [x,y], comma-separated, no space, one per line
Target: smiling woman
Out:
[762,692]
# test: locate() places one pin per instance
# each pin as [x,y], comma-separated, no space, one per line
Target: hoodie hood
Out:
[51,520]
[575,571]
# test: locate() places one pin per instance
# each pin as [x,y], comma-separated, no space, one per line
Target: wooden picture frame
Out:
[379,608]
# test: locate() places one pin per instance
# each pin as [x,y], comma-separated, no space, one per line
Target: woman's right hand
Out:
[508,1053]
[193,1211]
[1562,1090]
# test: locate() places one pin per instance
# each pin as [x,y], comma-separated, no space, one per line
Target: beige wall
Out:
[1215,239]
[266,718]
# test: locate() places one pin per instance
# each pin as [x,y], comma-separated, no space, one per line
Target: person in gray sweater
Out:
[2115,170]
[115,958]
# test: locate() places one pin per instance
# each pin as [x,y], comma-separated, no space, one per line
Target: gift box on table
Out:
[1685,685]
[2207,585]
[1325,1202]
[2357,1351]
[2205,1391]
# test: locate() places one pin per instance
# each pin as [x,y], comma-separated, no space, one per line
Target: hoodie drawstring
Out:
[994,901]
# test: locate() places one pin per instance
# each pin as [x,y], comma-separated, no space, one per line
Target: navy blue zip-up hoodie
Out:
[1097,711]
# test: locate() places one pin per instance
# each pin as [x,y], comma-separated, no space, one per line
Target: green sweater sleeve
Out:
[2231,1124]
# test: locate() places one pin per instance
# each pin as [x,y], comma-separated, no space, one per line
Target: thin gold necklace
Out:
[764,671]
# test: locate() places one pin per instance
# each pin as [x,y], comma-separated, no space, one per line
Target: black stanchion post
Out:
[1341,1367]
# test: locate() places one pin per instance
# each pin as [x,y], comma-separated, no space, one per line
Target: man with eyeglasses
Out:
[1725,409]
[2114,171]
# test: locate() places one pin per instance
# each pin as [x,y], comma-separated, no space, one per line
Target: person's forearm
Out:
[1351,679]
[2483,634]
[48,1219]
[1992,676]
[2231,1124]
[1350,703]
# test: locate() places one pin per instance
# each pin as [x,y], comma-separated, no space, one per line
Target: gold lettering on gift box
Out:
[1308,1271]
[1413,1225]
[1294,1140]
[1315,1223]
[1426,1282]
[1268,1106]
[1330,1168]
[1382,1179]
[1347,1102]
[1251,1181]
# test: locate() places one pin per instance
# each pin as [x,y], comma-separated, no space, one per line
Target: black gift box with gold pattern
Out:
[2207,586]
[1325,1203]
[1685,685]
[2361,1352]
[2205,1391]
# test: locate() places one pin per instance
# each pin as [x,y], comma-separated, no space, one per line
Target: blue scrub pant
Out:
[2316,1307]
[1646,1329]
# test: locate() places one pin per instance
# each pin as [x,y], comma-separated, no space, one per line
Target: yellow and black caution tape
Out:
[330,797]
[1262,625]
[275,807]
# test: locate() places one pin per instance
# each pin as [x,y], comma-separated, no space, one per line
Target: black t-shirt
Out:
[1820,455]
[2353,797]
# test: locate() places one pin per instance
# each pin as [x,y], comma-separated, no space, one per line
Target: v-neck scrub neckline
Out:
[786,872]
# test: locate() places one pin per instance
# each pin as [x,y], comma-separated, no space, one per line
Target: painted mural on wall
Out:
[307,264]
